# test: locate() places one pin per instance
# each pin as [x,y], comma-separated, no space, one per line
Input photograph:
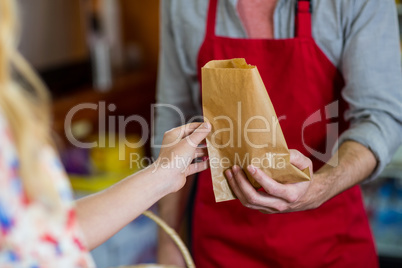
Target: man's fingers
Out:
[236,190]
[273,187]
[245,186]
[300,161]
[252,198]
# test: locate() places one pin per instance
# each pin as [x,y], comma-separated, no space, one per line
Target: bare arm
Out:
[103,214]
[356,163]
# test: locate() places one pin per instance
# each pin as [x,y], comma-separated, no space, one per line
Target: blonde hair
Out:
[26,110]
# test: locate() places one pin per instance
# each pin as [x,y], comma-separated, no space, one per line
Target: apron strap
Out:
[211,18]
[303,18]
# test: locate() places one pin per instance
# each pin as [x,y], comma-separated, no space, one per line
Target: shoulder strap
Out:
[303,18]
[211,17]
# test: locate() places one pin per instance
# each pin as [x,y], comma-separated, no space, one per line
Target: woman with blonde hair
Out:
[40,224]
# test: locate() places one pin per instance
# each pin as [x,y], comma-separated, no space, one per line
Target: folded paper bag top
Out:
[245,128]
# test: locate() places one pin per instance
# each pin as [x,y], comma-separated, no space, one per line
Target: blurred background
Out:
[105,52]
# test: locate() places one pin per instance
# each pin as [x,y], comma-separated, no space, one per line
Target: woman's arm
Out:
[103,214]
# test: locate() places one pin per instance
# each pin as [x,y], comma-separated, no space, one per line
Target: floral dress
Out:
[29,235]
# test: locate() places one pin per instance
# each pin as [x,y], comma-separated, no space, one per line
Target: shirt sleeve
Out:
[175,105]
[371,65]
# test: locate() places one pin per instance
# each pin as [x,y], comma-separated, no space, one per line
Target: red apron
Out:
[300,80]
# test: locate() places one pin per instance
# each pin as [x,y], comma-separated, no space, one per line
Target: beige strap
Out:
[172,233]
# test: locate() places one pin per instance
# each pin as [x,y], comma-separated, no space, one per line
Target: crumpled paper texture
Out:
[245,128]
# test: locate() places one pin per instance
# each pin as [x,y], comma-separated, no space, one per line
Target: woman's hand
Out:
[180,146]
[277,198]
[179,149]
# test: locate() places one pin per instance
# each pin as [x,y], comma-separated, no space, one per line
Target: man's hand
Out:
[355,163]
[277,197]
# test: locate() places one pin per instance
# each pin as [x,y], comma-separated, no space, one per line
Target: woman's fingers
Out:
[192,134]
[199,135]
[178,133]
[197,167]
[200,152]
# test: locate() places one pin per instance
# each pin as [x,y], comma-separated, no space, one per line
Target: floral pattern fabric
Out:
[30,236]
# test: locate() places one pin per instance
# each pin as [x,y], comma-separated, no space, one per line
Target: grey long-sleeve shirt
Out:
[360,37]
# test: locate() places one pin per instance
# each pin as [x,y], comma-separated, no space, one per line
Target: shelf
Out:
[132,93]
[394,169]
[389,250]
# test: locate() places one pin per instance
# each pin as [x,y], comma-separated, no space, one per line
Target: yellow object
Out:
[111,163]
[96,183]
[116,157]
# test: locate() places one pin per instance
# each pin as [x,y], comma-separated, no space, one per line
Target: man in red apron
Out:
[327,226]
[231,235]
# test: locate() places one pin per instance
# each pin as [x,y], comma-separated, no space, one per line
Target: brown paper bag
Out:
[245,129]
